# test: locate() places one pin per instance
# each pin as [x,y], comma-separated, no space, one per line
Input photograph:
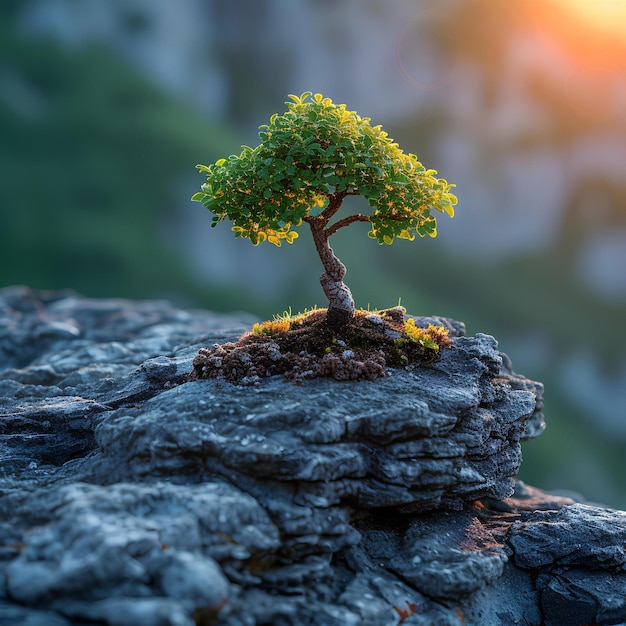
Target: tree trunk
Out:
[341,303]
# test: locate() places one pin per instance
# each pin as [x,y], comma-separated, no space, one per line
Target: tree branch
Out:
[334,202]
[358,217]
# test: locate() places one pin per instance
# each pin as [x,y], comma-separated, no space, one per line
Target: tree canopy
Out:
[313,155]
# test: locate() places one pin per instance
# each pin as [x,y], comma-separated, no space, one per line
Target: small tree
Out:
[310,158]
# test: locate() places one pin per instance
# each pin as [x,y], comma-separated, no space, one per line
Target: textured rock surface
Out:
[430,437]
[129,496]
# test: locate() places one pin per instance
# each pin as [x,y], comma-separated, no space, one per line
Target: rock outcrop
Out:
[131,496]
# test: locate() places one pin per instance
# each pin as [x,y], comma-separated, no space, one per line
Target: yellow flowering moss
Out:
[272,327]
[432,337]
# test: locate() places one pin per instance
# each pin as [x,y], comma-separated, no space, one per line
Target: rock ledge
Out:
[128,495]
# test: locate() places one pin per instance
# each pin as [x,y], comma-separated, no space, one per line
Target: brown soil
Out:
[362,349]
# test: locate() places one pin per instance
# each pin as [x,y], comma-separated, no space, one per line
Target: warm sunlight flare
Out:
[591,32]
[606,14]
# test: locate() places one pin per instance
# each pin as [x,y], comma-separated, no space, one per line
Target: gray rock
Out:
[130,496]
[28,616]
[124,611]
[148,537]
[533,538]
[426,438]
[588,571]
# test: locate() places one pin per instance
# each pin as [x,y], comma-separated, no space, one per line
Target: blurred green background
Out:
[106,106]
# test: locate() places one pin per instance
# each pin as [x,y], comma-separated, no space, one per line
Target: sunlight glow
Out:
[592,33]
[606,14]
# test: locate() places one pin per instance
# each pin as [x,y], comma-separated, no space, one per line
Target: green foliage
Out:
[313,150]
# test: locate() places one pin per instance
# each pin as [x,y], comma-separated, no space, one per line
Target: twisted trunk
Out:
[340,300]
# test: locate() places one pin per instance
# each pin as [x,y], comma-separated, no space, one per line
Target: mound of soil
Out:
[306,346]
